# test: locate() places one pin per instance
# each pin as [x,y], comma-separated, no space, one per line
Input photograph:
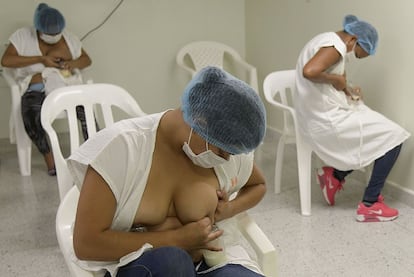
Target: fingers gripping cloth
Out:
[224,111]
[48,20]
[367,36]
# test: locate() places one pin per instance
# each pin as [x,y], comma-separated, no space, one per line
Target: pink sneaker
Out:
[329,184]
[379,211]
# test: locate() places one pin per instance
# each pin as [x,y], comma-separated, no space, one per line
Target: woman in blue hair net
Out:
[341,129]
[44,57]
[153,189]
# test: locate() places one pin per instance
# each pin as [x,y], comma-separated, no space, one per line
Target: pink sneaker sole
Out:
[374,218]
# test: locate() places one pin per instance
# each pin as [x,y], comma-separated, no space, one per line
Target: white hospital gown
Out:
[26,43]
[345,134]
[132,142]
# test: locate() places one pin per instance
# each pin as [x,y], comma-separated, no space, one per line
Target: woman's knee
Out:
[163,261]
[173,258]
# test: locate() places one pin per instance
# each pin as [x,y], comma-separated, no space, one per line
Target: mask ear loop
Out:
[189,137]
[353,48]
[206,141]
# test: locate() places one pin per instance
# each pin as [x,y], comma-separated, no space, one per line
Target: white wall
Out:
[276,31]
[136,47]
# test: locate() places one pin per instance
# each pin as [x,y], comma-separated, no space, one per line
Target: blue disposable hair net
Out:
[224,111]
[48,20]
[367,36]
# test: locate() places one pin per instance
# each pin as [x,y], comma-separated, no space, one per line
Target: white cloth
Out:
[53,78]
[26,43]
[345,134]
[133,142]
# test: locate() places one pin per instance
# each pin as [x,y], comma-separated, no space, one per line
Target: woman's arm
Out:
[93,238]
[315,69]
[83,61]
[247,197]
[12,59]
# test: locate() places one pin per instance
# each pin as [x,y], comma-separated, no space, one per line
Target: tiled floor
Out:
[328,243]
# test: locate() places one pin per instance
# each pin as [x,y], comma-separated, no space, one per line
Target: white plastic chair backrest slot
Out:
[66,99]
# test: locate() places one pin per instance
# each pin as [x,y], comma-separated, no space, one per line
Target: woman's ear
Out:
[350,43]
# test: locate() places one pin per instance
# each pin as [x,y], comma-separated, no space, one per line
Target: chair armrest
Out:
[264,249]
[281,106]
[8,76]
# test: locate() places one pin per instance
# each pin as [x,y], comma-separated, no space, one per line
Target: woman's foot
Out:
[51,172]
[377,212]
[50,163]
[328,183]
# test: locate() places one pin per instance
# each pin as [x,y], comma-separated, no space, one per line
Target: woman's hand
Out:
[224,207]
[339,82]
[197,235]
[51,61]
[354,92]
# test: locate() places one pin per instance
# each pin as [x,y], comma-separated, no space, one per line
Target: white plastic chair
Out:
[17,132]
[205,53]
[65,218]
[91,97]
[279,88]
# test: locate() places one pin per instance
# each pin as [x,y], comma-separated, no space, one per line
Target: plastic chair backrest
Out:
[211,53]
[91,97]
[279,88]
[204,53]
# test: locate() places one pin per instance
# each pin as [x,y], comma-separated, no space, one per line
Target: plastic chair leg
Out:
[304,155]
[24,150]
[279,163]
[24,154]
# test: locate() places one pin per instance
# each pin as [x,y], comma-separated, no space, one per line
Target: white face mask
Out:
[50,39]
[206,159]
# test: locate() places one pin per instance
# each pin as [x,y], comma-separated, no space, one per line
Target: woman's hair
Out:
[48,20]
[224,111]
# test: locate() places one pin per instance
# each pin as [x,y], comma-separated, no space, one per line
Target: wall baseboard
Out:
[399,192]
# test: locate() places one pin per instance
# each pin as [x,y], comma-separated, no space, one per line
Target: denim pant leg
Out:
[340,175]
[382,168]
[160,262]
[31,105]
[229,270]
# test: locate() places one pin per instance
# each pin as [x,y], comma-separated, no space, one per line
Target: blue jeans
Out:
[230,270]
[382,167]
[174,262]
